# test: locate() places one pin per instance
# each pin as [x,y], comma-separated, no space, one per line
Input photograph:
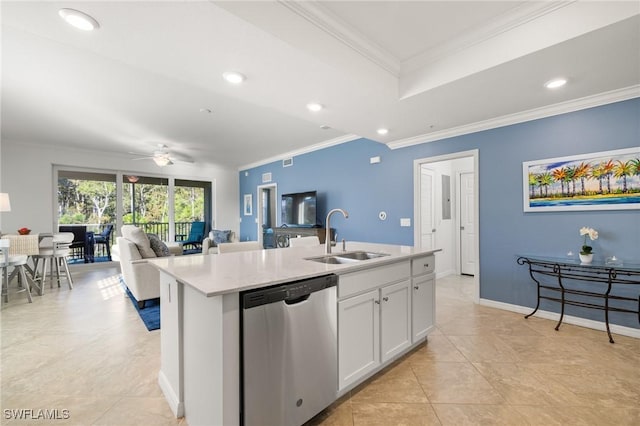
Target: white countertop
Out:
[216,274]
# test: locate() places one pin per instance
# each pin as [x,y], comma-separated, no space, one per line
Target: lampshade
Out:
[5,204]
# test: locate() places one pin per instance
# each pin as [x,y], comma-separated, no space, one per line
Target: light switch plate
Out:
[405,221]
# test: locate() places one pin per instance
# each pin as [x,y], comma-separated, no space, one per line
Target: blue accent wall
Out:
[344,178]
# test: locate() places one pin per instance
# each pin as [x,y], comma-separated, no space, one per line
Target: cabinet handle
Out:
[377,302]
[426,265]
[386,299]
[416,287]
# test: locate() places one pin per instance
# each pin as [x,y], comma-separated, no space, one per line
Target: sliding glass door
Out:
[145,204]
[99,201]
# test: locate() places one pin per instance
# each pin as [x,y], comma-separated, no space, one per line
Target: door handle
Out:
[377,302]
[386,299]
[416,287]
[462,228]
[433,230]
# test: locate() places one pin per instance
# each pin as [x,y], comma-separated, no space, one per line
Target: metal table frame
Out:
[568,269]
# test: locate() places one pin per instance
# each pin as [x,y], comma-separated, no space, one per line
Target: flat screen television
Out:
[299,209]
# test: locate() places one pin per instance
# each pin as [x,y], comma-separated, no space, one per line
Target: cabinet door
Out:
[358,337]
[423,306]
[395,318]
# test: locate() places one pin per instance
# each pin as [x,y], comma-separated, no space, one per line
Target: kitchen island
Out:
[385,306]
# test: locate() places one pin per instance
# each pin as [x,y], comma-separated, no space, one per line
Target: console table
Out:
[564,271]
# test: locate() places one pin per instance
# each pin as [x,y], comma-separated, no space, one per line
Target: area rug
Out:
[150,314]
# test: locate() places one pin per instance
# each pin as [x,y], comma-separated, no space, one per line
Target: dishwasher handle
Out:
[296,300]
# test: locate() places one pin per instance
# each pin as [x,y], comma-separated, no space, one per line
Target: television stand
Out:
[282,235]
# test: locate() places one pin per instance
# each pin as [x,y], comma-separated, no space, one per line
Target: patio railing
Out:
[161,229]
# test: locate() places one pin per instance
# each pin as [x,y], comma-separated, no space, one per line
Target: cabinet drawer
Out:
[358,282]
[423,265]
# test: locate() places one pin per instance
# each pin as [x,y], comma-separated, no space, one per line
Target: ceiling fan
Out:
[162,156]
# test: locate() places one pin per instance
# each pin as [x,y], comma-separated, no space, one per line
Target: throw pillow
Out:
[139,238]
[158,246]
[219,237]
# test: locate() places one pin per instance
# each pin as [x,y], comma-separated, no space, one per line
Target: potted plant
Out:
[586,255]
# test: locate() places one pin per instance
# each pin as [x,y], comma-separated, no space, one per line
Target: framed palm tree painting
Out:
[607,180]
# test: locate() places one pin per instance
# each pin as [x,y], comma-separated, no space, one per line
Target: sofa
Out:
[210,244]
[134,247]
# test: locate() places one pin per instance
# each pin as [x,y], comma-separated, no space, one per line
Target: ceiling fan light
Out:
[79,20]
[162,160]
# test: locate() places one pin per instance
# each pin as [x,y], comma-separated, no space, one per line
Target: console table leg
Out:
[538,284]
[606,306]
[558,271]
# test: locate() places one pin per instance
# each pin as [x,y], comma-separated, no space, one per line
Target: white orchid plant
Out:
[592,234]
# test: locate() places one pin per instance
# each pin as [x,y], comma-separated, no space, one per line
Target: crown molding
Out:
[305,150]
[504,23]
[322,18]
[521,117]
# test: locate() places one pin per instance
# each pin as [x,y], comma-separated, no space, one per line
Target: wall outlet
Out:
[405,221]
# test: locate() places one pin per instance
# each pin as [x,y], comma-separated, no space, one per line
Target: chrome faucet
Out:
[327,244]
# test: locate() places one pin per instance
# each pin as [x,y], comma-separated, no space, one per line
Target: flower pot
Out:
[586,258]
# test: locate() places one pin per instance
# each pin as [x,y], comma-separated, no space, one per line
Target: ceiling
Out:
[422,69]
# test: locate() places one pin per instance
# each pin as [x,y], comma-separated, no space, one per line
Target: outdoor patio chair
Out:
[104,238]
[196,235]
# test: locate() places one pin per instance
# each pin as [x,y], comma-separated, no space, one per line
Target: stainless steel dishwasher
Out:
[289,352]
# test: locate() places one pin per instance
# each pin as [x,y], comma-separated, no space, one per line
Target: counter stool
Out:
[58,253]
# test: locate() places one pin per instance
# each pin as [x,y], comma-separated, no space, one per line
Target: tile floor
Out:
[87,351]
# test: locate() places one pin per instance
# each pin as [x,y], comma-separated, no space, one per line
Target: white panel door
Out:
[467,229]
[427,219]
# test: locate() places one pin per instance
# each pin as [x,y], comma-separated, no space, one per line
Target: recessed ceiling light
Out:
[314,107]
[382,131]
[79,20]
[325,127]
[555,83]
[205,110]
[234,77]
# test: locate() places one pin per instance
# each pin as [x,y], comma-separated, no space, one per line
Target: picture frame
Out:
[248,205]
[608,180]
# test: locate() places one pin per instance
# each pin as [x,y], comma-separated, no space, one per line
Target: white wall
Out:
[26,173]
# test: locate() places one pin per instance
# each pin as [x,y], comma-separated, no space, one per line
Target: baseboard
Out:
[177,407]
[569,319]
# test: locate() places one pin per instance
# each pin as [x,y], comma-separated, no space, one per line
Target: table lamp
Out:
[5,204]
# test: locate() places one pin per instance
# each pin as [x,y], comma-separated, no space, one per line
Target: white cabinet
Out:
[358,337]
[423,307]
[382,312]
[395,319]
[423,311]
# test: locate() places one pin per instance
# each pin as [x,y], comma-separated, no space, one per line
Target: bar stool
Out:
[58,253]
[17,262]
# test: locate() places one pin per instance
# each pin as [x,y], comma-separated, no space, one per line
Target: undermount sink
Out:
[349,257]
[360,255]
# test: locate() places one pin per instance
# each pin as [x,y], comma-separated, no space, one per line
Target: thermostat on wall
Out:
[382,215]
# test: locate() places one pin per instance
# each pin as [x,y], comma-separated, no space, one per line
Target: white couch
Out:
[142,279]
